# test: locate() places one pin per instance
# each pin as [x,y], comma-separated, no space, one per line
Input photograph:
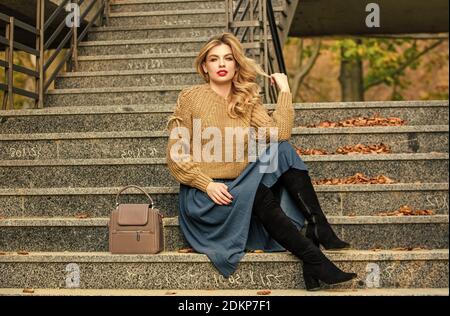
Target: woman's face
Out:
[220,64]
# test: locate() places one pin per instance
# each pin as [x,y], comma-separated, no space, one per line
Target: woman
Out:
[228,205]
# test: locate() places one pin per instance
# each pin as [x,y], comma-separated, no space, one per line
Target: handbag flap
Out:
[133,214]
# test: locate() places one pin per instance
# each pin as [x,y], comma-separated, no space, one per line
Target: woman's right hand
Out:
[218,192]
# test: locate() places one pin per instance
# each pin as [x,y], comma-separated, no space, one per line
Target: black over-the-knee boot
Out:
[316,266]
[298,184]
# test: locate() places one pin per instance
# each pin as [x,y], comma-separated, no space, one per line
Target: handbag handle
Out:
[133,186]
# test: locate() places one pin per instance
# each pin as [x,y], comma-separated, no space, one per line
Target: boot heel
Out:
[311,283]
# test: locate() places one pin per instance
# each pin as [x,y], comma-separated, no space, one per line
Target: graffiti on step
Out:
[207,33]
[156,50]
[25,152]
[202,279]
[141,152]
[438,203]
[151,64]
[177,22]
[73,275]
[373,275]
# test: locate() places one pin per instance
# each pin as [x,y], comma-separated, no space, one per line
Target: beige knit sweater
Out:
[202,102]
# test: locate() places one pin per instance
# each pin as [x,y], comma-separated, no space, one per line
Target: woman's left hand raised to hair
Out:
[281,81]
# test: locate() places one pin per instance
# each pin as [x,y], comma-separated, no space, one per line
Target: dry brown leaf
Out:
[81,215]
[364,149]
[2,253]
[358,178]
[28,291]
[302,152]
[264,292]
[406,210]
[170,293]
[22,253]
[375,120]
[186,250]
[258,251]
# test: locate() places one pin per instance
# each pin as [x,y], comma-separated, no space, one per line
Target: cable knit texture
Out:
[202,102]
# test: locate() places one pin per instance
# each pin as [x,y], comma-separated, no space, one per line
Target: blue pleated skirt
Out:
[225,232]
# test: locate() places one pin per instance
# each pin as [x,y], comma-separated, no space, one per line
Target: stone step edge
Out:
[165,134]
[108,90]
[347,188]
[156,27]
[166,108]
[160,27]
[213,292]
[154,71]
[276,9]
[126,2]
[144,41]
[173,221]
[136,56]
[162,161]
[170,257]
[168,40]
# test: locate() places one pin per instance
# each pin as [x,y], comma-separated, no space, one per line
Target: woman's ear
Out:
[204,68]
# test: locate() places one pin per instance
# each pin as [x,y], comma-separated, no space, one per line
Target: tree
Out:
[387,60]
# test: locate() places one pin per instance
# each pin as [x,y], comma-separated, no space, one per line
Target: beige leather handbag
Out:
[135,228]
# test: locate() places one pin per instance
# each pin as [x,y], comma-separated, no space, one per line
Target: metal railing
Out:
[41,74]
[254,23]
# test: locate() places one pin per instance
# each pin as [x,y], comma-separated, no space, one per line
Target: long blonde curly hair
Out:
[244,89]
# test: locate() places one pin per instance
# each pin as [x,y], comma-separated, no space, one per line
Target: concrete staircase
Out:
[104,128]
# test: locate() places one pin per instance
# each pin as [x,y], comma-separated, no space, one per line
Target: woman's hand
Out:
[218,192]
[281,81]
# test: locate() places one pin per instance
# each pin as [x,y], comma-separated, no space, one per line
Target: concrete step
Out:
[128,78]
[141,144]
[107,33]
[152,5]
[421,168]
[150,46]
[156,5]
[175,17]
[210,292]
[136,61]
[362,232]
[145,117]
[336,200]
[114,95]
[100,270]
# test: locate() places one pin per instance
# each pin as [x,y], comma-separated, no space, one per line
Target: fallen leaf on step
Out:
[264,292]
[22,253]
[186,250]
[170,293]
[357,178]
[258,251]
[375,120]
[406,210]
[2,253]
[28,291]
[376,249]
[302,152]
[364,149]
[81,215]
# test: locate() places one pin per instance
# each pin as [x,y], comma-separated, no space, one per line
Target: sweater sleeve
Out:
[282,117]
[182,165]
